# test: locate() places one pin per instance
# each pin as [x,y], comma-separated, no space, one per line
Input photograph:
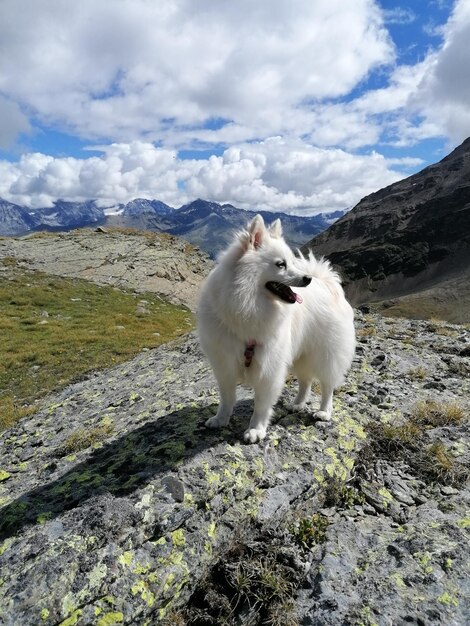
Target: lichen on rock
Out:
[157,520]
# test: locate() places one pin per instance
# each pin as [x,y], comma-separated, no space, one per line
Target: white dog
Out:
[253,327]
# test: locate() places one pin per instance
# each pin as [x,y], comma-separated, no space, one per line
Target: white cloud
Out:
[399,15]
[256,76]
[12,122]
[442,97]
[121,70]
[274,174]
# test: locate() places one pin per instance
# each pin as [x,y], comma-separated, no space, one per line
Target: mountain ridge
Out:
[411,236]
[190,221]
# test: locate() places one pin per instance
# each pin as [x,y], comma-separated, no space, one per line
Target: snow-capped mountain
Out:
[14,219]
[208,225]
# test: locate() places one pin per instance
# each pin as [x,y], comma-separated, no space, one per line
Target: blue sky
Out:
[287,105]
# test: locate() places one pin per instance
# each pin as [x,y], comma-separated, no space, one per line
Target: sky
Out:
[290,105]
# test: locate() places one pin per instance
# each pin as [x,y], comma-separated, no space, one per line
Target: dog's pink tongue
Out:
[298,298]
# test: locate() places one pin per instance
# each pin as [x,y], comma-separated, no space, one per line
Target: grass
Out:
[246,587]
[56,330]
[83,438]
[368,331]
[392,437]
[420,307]
[417,373]
[434,463]
[435,414]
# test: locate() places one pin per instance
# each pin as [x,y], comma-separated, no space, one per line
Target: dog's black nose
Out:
[307,280]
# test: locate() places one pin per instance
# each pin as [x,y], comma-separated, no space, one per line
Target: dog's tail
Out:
[320,269]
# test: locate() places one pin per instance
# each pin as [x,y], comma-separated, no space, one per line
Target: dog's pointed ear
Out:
[275,230]
[257,231]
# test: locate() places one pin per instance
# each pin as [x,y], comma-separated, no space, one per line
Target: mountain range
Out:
[207,225]
[408,245]
[405,247]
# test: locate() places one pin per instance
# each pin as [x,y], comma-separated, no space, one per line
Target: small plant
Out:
[459,368]
[311,530]
[263,582]
[9,261]
[391,437]
[433,463]
[417,373]
[440,465]
[342,496]
[245,582]
[432,413]
[368,331]
[85,437]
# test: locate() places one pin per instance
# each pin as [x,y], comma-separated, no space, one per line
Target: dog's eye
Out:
[281,264]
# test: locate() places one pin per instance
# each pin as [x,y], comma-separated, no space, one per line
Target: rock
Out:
[155,263]
[147,525]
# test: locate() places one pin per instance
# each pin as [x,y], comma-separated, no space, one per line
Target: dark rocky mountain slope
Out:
[411,237]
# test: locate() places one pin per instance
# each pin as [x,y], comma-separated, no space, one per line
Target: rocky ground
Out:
[144,262]
[119,507]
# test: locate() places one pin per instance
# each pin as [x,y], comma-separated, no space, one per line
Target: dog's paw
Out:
[323,416]
[253,435]
[298,407]
[216,422]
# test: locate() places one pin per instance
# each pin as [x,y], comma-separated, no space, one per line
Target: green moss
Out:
[211,530]
[398,580]
[97,574]
[73,619]
[5,545]
[447,565]
[126,558]
[44,614]
[177,537]
[448,599]
[44,517]
[4,475]
[141,588]
[110,618]
[386,496]
[424,559]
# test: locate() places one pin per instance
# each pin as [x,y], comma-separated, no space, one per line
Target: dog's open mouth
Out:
[283,292]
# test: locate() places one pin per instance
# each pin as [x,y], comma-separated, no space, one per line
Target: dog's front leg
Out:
[227,389]
[267,393]
[326,405]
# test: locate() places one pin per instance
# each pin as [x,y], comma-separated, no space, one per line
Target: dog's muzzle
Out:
[285,293]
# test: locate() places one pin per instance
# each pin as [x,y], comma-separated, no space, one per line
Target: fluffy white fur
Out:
[314,335]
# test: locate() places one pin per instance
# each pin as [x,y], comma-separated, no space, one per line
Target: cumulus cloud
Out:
[426,100]
[442,97]
[282,84]
[273,174]
[116,70]
[12,122]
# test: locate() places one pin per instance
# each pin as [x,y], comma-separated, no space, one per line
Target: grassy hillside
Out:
[55,330]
